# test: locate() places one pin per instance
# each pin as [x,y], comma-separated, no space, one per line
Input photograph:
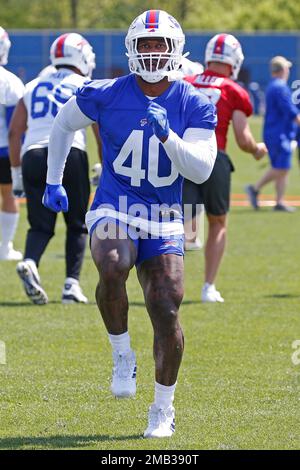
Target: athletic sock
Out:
[207,285]
[164,395]
[120,343]
[71,280]
[9,223]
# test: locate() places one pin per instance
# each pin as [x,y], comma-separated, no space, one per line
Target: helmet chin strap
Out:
[155,79]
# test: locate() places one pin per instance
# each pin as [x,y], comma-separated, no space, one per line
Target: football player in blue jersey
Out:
[155,130]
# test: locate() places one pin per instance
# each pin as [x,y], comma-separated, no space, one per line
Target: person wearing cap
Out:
[279,131]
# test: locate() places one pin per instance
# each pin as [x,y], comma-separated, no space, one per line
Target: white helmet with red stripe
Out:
[73,49]
[225,48]
[154,66]
[4,46]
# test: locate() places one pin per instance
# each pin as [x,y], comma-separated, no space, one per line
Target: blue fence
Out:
[30,52]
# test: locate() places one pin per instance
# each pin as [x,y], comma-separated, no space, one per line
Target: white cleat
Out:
[193,246]
[7,253]
[210,294]
[72,293]
[123,383]
[161,422]
[29,275]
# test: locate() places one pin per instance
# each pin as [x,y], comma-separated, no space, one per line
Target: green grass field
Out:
[237,389]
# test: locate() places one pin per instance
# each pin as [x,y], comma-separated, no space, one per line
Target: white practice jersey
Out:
[43,98]
[11,90]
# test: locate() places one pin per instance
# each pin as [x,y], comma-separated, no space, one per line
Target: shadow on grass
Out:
[248,211]
[184,302]
[282,296]
[26,304]
[59,442]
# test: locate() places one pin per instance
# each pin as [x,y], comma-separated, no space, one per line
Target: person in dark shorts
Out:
[74,61]
[223,59]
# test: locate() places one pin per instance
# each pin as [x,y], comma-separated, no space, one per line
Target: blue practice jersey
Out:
[279,122]
[135,163]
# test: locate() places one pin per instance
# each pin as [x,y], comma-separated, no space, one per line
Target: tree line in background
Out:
[228,15]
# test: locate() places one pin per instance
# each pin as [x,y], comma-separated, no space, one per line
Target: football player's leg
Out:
[114,257]
[161,278]
[214,251]
[77,186]
[9,214]
[41,220]
[216,195]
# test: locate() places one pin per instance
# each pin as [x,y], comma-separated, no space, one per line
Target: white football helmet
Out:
[153,66]
[188,67]
[4,46]
[73,49]
[225,48]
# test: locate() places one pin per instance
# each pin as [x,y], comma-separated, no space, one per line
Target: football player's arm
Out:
[17,127]
[69,119]
[244,137]
[194,155]
[3,88]
[10,91]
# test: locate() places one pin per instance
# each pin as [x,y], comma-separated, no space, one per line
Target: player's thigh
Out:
[161,278]
[34,170]
[113,256]
[216,190]
[5,172]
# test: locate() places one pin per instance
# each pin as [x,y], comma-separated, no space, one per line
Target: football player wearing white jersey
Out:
[73,59]
[153,131]
[11,90]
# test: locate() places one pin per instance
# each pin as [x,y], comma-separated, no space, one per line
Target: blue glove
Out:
[157,118]
[55,198]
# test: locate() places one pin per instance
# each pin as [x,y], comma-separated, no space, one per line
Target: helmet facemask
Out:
[153,66]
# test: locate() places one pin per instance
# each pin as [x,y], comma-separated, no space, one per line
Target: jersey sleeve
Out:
[92,96]
[241,100]
[14,91]
[203,114]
